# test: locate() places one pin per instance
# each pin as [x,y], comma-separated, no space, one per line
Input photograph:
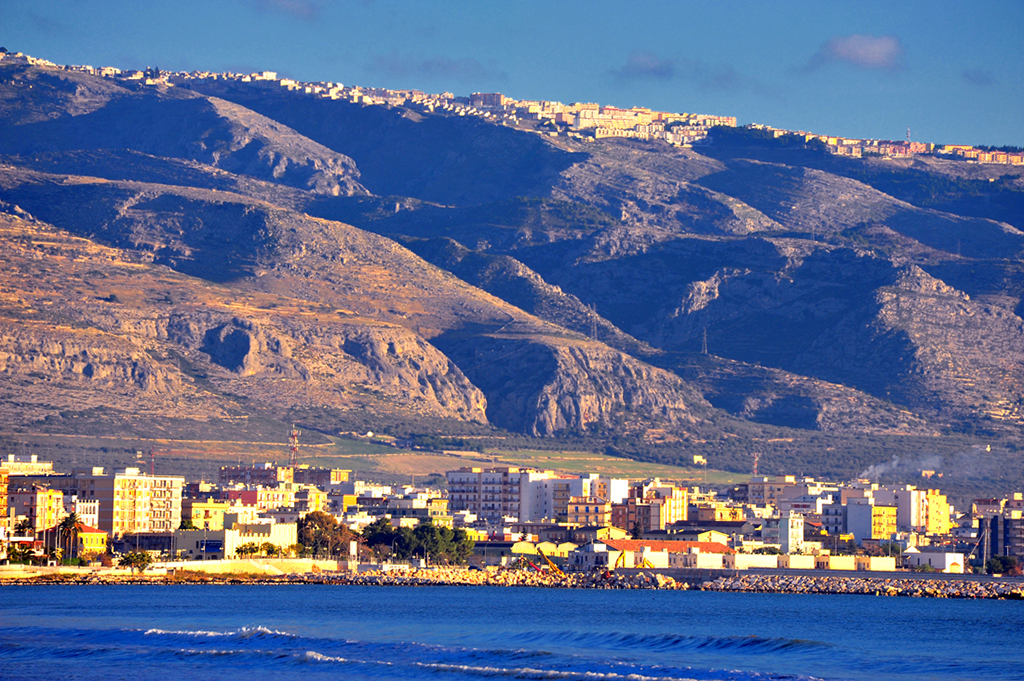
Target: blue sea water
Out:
[354,633]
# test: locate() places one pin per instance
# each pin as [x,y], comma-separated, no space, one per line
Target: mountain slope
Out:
[243,252]
[72,111]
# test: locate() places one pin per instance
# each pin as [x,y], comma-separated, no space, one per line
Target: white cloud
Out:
[880,53]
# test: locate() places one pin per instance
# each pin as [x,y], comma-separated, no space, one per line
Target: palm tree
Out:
[69,528]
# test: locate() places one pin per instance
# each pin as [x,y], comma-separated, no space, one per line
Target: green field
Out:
[367,459]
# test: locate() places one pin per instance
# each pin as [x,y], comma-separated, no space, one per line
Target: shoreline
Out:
[644,579]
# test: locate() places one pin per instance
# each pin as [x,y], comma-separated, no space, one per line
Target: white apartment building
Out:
[527,494]
[88,511]
[490,494]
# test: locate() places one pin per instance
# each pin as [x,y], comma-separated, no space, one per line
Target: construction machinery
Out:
[551,566]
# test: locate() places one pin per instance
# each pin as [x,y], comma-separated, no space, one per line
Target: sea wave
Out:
[240,633]
[671,642]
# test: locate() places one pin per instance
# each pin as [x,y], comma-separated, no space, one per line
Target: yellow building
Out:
[208,514]
[3,500]
[91,542]
[937,520]
[310,499]
[883,522]
[717,513]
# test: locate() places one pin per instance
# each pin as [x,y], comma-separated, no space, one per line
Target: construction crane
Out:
[551,566]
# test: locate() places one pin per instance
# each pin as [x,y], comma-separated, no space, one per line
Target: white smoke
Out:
[903,467]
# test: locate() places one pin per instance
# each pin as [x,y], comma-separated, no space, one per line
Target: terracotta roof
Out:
[82,529]
[667,545]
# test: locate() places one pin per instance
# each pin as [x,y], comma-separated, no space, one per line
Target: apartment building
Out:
[867,519]
[651,506]
[130,501]
[922,511]
[490,494]
[13,464]
[266,474]
[41,506]
[590,511]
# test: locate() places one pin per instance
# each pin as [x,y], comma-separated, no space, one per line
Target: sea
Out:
[277,632]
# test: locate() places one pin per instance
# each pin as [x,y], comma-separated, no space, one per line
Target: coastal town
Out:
[583,121]
[524,523]
[541,524]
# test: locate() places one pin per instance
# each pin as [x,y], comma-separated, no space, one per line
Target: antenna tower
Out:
[908,133]
[293,445]
[757,457]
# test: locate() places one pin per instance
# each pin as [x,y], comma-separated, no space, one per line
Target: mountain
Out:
[224,252]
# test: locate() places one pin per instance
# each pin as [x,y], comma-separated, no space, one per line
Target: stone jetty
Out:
[868,586]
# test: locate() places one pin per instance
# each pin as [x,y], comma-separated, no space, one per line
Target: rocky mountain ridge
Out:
[218,256]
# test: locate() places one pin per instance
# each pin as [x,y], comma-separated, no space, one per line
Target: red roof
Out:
[82,529]
[667,545]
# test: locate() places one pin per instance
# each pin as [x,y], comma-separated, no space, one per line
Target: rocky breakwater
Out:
[868,586]
[440,576]
[501,577]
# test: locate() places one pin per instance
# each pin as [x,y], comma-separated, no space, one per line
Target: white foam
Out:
[530,673]
[242,631]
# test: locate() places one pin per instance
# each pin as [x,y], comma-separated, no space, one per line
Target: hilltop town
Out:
[507,517]
[578,120]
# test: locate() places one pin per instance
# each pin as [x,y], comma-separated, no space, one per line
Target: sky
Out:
[951,72]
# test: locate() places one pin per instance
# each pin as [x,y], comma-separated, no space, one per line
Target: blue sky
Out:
[951,71]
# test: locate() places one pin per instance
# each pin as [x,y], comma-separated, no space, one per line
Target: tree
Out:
[1001,565]
[20,553]
[187,524]
[138,561]
[269,548]
[68,529]
[638,530]
[54,553]
[321,533]
[441,544]
[24,527]
[247,549]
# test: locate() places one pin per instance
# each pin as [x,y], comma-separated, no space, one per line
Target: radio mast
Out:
[293,442]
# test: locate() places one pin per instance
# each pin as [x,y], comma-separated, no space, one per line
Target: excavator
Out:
[621,562]
[522,563]
[551,566]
